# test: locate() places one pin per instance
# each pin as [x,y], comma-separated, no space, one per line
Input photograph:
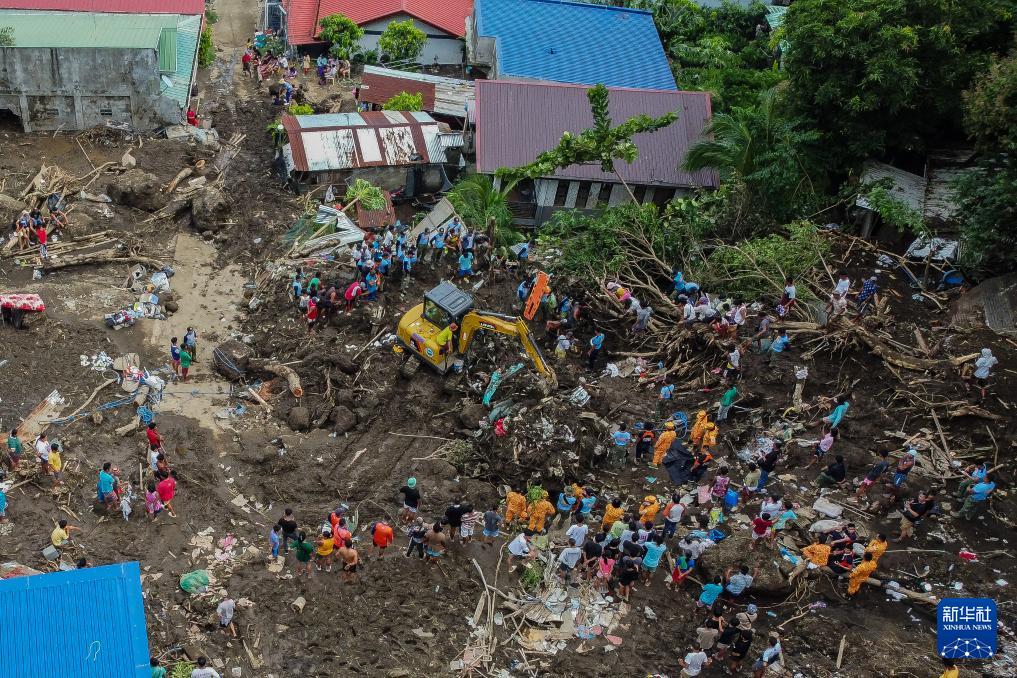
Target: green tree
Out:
[341,33]
[6,36]
[206,49]
[991,106]
[601,144]
[404,101]
[879,75]
[402,41]
[987,213]
[476,200]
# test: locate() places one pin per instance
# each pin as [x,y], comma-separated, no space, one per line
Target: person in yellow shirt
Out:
[325,546]
[816,554]
[539,511]
[950,669]
[444,339]
[648,509]
[709,437]
[56,464]
[663,443]
[61,534]
[861,573]
[515,507]
[697,427]
[877,547]
[613,512]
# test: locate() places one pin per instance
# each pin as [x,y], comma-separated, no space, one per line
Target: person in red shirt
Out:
[154,438]
[760,529]
[167,489]
[312,315]
[40,233]
[382,537]
[246,61]
[192,117]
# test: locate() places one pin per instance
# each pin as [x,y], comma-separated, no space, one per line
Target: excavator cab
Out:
[418,331]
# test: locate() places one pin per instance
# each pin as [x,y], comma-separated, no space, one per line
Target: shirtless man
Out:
[351,561]
[434,543]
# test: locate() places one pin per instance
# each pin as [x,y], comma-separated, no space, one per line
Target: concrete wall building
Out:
[443,21]
[75,70]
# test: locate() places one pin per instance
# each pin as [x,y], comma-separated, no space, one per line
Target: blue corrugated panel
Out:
[575,43]
[84,623]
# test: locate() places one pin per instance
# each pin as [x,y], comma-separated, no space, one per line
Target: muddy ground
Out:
[237,472]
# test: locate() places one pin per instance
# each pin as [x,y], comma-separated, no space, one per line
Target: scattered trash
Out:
[194,582]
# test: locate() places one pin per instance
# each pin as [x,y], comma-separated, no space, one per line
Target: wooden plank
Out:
[38,419]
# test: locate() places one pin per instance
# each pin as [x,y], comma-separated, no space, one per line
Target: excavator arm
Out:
[508,325]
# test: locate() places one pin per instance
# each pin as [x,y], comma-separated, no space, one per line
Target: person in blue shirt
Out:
[523,257]
[978,495]
[837,416]
[566,501]
[385,264]
[655,550]
[588,501]
[622,439]
[409,258]
[973,475]
[438,246]
[104,488]
[466,264]
[596,344]
[664,400]
[711,592]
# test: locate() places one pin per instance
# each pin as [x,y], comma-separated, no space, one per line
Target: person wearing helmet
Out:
[663,443]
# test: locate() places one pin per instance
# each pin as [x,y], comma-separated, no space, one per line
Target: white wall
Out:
[447,47]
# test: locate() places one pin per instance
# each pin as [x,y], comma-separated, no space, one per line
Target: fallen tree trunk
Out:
[913,595]
[291,377]
[102,257]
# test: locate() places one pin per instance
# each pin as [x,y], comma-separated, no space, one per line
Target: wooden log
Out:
[291,377]
[181,175]
[98,258]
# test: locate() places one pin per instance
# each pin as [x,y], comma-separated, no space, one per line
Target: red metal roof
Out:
[377,219]
[304,15]
[111,6]
[380,88]
[516,121]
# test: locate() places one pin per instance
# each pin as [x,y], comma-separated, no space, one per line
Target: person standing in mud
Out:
[454,518]
[435,542]
[175,355]
[191,342]
[289,530]
[304,550]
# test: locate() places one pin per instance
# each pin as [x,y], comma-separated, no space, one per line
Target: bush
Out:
[273,46]
[206,50]
[300,109]
[404,101]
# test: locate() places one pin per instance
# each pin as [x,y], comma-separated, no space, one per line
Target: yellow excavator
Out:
[446,306]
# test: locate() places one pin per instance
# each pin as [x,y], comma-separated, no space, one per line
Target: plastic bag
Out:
[194,582]
[730,499]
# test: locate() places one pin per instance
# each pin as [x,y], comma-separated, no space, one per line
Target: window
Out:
[436,315]
[583,195]
[561,194]
[106,111]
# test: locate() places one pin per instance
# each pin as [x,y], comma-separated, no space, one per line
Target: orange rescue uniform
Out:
[515,507]
[662,445]
[539,512]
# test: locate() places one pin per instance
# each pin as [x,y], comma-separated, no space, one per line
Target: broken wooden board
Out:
[38,419]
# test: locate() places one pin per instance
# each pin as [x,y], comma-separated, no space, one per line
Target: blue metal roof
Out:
[85,623]
[575,43]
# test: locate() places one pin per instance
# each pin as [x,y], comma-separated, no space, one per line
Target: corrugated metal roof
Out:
[111,6]
[377,218]
[448,96]
[179,89]
[575,42]
[83,29]
[509,133]
[168,50]
[904,186]
[350,140]
[88,622]
[304,16]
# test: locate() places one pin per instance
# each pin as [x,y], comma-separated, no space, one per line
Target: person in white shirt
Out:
[983,370]
[694,661]
[519,547]
[204,670]
[688,312]
[568,559]
[843,284]
[42,450]
[578,531]
[771,655]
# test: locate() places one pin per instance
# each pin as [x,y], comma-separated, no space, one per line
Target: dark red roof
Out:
[380,88]
[516,121]
[305,15]
[111,6]
[377,219]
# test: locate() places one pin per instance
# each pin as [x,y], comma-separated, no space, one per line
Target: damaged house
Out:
[98,62]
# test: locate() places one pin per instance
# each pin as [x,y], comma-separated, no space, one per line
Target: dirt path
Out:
[238,20]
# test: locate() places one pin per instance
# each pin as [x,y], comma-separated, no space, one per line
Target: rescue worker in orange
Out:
[697,427]
[861,572]
[709,438]
[648,509]
[515,507]
[663,443]
[612,513]
[539,511]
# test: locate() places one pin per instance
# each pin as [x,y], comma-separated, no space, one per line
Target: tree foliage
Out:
[987,211]
[206,49]
[300,109]
[882,75]
[366,194]
[404,101]
[602,143]
[476,200]
[991,106]
[341,33]
[402,41]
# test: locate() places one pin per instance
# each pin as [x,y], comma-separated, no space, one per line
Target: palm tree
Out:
[736,141]
[478,202]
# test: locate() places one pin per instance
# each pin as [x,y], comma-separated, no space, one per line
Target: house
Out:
[390,149]
[443,21]
[510,134]
[931,194]
[88,622]
[569,42]
[444,96]
[99,62]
